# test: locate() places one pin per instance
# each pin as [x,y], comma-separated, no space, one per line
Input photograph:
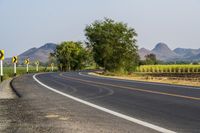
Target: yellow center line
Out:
[135,89]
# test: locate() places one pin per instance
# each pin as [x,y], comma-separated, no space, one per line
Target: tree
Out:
[52,58]
[71,55]
[113,45]
[151,59]
[195,63]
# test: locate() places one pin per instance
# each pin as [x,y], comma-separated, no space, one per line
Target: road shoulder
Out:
[6,91]
[164,80]
[7,95]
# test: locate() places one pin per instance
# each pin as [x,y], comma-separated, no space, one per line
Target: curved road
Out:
[175,108]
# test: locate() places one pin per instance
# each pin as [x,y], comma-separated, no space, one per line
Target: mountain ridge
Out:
[161,50]
[164,53]
[42,54]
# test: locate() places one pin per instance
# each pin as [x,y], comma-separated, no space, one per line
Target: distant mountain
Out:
[187,53]
[197,56]
[42,53]
[164,53]
[161,50]
[143,52]
[29,52]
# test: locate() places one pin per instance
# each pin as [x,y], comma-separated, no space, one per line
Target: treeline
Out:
[110,45]
[73,56]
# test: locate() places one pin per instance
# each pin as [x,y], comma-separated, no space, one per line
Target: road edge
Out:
[13,88]
[114,113]
[7,91]
[139,81]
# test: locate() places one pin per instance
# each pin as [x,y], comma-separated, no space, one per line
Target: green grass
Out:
[9,71]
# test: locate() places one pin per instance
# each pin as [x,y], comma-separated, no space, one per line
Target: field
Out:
[169,69]
[9,71]
[171,74]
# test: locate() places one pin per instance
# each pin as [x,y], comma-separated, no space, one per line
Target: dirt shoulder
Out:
[6,96]
[146,78]
[6,91]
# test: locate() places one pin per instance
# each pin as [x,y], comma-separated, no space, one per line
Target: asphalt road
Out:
[176,108]
[40,110]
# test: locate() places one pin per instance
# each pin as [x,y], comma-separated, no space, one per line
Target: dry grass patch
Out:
[147,78]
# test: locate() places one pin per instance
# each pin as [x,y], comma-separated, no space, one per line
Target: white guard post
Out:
[15,69]
[1,70]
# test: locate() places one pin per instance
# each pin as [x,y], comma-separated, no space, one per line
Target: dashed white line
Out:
[120,115]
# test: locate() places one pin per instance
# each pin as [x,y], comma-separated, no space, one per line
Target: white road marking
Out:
[132,81]
[120,115]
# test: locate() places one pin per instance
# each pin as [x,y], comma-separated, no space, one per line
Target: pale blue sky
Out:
[31,23]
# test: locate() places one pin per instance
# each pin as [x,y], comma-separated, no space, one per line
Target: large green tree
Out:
[113,45]
[71,56]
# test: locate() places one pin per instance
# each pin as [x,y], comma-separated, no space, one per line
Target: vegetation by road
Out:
[177,79]
[9,71]
[169,68]
[72,56]
[113,45]
[110,45]
[171,74]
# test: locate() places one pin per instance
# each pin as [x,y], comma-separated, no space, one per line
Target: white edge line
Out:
[134,120]
[132,81]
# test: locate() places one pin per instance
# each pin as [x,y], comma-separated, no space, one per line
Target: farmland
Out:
[171,74]
[169,69]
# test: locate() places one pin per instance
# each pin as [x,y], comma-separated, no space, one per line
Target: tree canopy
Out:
[150,59]
[71,55]
[113,45]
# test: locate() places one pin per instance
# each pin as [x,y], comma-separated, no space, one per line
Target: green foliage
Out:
[71,56]
[150,59]
[113,44]
[52,59]
[169,69]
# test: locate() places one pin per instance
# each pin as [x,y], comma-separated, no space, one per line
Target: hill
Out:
[143,52]
[164,53]
[41,53]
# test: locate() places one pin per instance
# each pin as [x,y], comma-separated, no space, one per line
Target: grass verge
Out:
[9,71]
[145,77]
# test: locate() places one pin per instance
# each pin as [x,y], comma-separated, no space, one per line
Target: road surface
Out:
[113,105]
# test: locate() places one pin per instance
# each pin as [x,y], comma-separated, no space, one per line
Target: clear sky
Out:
[31,23]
